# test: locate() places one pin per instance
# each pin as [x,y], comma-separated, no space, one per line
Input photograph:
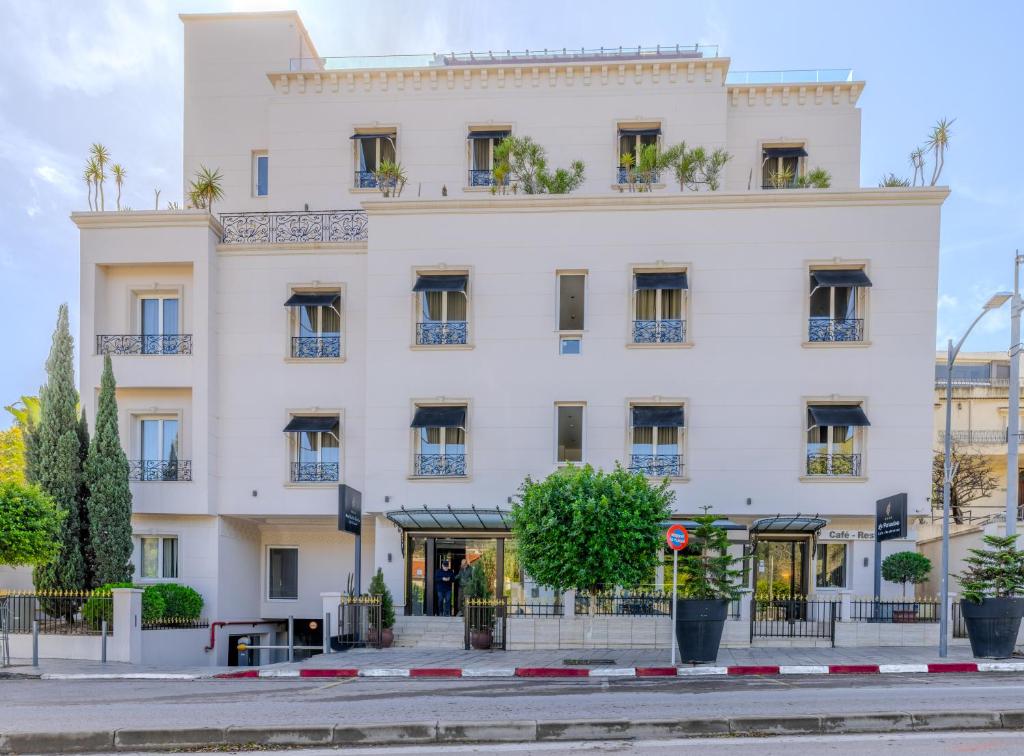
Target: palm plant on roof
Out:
[938,142]
[101,155]
[119,176]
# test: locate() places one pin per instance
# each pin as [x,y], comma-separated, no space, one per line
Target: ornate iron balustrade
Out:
[482,177]
[368,180]
[294,228]
[833,464]
[659,331]
[975,437]
[314,472]
[441,334]
[845,329]
[791,185]
[441,465]
[160,470]
[639,177]
[133,343]
[657,465]
[316,347]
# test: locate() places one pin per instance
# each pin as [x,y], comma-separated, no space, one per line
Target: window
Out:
[159,323]
[831,566]
[657,440]
[571,294]
[159,557]
[315,324]
[481,155]
[570,433]
[782,166]
[372,149]
[633,168]
[260,174]
[440,441]
[315,446]
[442,307]
[658,307]
[159,451]
[836,304]
[834,439]
[283,573]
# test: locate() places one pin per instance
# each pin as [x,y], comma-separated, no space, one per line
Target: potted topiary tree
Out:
[906,567]
[381,632]
[480,618]
[707,583]
[993,600]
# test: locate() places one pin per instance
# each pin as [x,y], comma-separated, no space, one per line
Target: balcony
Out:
[657,465]
[133,343]
[149,470]
[829,330]
[314,472]
[329,226]
[453,332]
[482,177]
[975,437]
[622,176]
[833,465]
[659,331]
[440,465]
[316,347]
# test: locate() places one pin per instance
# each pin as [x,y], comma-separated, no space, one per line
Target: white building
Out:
[774,345]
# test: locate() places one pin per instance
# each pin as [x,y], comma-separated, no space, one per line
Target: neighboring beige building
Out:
[770,351]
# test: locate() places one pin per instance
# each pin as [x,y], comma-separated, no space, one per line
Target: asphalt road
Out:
[39,705]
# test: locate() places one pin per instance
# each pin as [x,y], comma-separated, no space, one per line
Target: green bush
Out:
[160,601]
[387,605]
[906,567]
[180,601]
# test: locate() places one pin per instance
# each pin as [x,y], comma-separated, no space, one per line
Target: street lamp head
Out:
[998,300]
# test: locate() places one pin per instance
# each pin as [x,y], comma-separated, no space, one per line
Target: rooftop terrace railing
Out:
[294,228]
[804,76]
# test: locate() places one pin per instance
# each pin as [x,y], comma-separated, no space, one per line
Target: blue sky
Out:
[76,72]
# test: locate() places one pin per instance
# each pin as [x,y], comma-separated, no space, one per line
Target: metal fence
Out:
[359,623]
[175,623]
[636,603]
[296,227]
[59,612]
[485,623]
[896,612]
[793,618]
[536,609]
[5,644]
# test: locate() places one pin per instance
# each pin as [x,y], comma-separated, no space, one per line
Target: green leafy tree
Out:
[110,498]
[995,572]
[706,569]
[906,567]
[525,162]
[387,604]
[585,529]
[27,413]
[12,456]
[30,525]
[57,448]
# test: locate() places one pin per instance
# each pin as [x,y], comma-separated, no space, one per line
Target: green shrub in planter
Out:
[993,602]
[180,601]
[387,604]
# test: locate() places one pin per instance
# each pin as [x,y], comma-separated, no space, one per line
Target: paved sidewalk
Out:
[71,668]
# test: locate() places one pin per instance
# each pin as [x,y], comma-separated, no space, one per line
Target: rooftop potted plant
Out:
[993,597]
[707,583]
[906,567]
[381,633]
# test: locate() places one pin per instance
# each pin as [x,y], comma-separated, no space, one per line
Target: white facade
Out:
[745,374]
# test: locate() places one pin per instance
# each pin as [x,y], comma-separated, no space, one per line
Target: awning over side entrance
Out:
[797,523]
[448,518]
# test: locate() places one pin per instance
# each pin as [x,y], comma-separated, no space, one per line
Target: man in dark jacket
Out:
[443,580]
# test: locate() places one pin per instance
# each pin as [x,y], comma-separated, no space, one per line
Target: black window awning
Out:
[658,416]
[488,134]
[824,415]
[661,281]
[440,283]
[312,299]
[784,152]
[388,135]
[311,424]
[439,417]
[655,131]
[830,277]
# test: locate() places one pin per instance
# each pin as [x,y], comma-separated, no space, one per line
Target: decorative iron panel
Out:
[657,465]
[659,331]
[441,465]
[294,228]
[314,472]
[846,329]
[132,343]
[316,347]
[833,464]
[646,177]
[484,177]
[160,470]
[442,334]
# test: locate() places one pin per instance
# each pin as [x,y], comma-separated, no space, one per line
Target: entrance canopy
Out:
[447,518]
[692,525]
[797,523]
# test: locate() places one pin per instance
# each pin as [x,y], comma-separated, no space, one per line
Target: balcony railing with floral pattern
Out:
[442,334]
[314,472]
[843,329]
[160,470]
[657,465]
[134,343]
[294,228]
[828,465]
[316,347]
[441,465]
[659,331]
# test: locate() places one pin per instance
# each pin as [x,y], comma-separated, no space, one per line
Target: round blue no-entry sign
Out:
[676,537]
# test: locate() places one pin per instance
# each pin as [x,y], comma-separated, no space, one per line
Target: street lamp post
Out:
[1013,417]
[997,301]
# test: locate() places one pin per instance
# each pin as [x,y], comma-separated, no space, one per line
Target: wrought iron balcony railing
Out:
[639,177]
[133,343]
[827,330]
[160,469]
[482,177]
[441,465]
[442,334]
[975,437]
[368,180]
[314,472]
[294,228]
[316,347]
[657,465]
[833,464]
[659,331]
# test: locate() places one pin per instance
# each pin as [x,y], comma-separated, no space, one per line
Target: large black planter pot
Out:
[699,626]
[992,626]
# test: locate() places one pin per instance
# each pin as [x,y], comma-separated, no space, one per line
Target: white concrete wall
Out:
[325,561]
[177,647]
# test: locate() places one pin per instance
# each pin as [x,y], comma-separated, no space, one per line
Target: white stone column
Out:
[846,606]
[746,593]
[125,643]
[569,604]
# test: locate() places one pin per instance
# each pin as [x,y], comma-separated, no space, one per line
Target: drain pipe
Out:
[223,623]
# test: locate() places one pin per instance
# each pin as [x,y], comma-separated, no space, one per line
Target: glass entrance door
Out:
[780,569]
[429,560]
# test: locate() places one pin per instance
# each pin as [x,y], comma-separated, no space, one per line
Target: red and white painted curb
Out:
[603,672]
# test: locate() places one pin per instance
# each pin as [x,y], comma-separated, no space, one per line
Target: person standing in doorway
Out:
[461,584]
[443,579]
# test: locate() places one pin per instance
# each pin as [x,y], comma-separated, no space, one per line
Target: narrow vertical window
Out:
[283,569]
[571,311]
[261,174]
[570,433]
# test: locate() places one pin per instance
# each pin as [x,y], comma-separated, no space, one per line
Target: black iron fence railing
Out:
[135,343]
[894,611]
[659,331]
[160,469]
[536,609]
[734,609]
[482,177]
[485,624]
[294,228]
[368,180]
[175,623]
[359,623]
[657,465]
[441,465]
[314,472]
[636,603]
[316,347]
[793,618]
[844,329]
[60,612]
[442,334]
[833,464]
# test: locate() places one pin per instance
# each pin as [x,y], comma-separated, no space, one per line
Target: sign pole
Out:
[675,578]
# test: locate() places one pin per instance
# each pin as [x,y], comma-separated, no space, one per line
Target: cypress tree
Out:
[57,460]
[84,537]
[110,498]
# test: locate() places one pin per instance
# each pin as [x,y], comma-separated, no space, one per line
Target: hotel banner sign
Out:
[891,517]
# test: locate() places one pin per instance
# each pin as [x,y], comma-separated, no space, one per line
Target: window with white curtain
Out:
[158,557]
